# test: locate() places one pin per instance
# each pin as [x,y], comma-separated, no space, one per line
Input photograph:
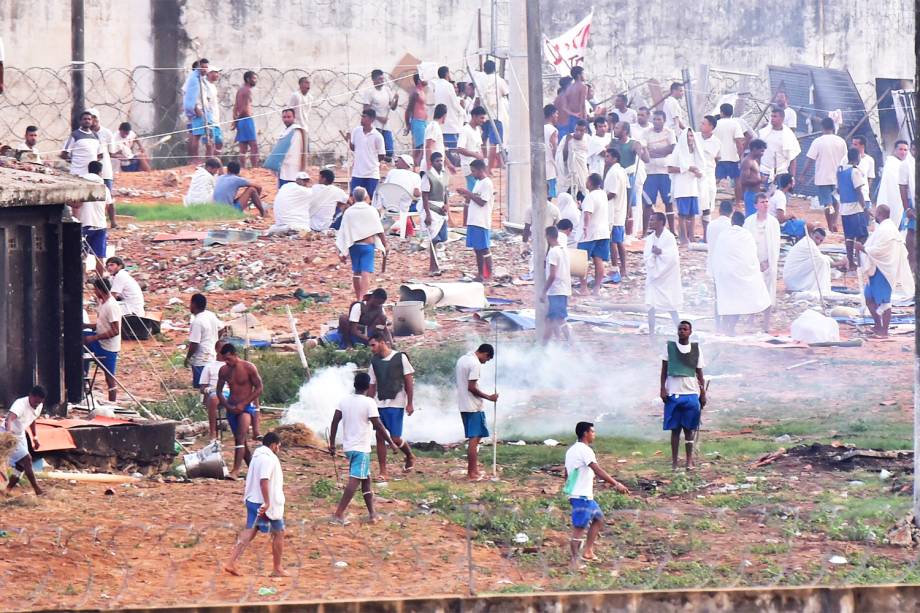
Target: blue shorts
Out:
[825,195]
[196,375]
[96,239]
[216,135]
[132,165]
[245,130]
[494,131]
[682,411]
[197,125]
[387,142]
[551,190]
[367,183]
[568,127]
[233,419]
[333,337]
[450,141]
[855,226]
[878,289]
[478,238]
[359,464]
[470,182]
[441,236]
[585,512]
[362,257]
[392,418]
[558,307]
[656,185]
[599,248]
[688,207]
[109,359]
[728,170]
[260,523]
[474,424]
[750,203]
[617,235]
[417,127]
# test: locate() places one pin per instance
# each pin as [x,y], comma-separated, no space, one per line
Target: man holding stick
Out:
[469,400]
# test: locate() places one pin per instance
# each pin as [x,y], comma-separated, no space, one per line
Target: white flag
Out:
[568,50]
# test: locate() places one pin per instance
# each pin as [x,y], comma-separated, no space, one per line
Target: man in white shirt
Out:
[326,200]
[20,418]
[596,231]
[790,118]
[581,468]
[445,93]
[683,391]
[106,140]
[213,134]
[660,142]
[469,401]
[301,102]
[124,288]
[128,150]
[616,185]
[826,153]
[732,140]
[201,187]
[367,145]
[291,148]
[779,199]
[92,218]
[292,205]
[558,287]
[105,342]
[494,95]
[479,202]
[765,230]
[202,336]
[381,99]
[27,150]
[359,417]
[623,111]
[82,146]
[434,187]
[907,175]
[392,386]
[264,501]
[866,164]
[782,146]
[469,145]
[674,113]
[550,141]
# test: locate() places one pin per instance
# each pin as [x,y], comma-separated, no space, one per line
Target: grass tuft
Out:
[179,212]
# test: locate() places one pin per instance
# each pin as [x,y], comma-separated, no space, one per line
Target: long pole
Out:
[77,62]
[495,410]
[537,158]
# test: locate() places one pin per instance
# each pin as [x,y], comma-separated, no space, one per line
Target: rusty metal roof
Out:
[29,185]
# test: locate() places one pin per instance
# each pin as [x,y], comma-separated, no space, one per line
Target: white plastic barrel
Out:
[409,318]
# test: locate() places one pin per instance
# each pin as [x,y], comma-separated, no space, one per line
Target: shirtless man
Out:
[576,96]
[245,389]
[243,121]
[416,118]
[750,183]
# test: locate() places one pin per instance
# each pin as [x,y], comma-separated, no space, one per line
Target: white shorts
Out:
[708,190]
[21,450]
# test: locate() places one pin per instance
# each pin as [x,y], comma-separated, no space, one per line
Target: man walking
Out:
[826,153]
[392,386]
[469,400]
[683,391]
[596,231]
[663,290]
[367,145]
[245,125]
[558,287]
[21,417]
[360,235]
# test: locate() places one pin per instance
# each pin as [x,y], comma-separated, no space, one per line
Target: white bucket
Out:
[205,463]
[409,318]
[578,262]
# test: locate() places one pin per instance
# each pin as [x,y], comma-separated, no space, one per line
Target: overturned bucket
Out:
[206,463]
[408,318]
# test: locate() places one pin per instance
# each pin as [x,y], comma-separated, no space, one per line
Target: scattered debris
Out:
[298,435]
[905,533]
[837,560]
[267,591]
[769,458]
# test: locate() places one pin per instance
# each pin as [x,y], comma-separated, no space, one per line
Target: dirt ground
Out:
[159,542]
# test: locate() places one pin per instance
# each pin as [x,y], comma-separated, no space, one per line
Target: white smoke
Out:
[542,391]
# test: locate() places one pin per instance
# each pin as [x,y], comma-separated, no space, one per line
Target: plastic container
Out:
[205,463]
[409,318]
[578,262]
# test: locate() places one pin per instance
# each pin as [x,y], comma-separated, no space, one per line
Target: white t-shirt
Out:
[709,149]
[323,204]
[790,118]
[778,202]
[684,184]
[106,140]
[302,104]
[468,369]
[266,465]
[672,112]
[379,100]
[433,132]
[827,150]
[357,431]
[558,256]
[131,295]
[470,139]
[658,166]
[210,375]
[213,101]
[203,331]
[867,166]
[776,151]
[444,93]
[201,188]
[124,145]
[292,205]
[84,147]
[579,458]
[616,182]
[629,116]
[907,175]
[354,314]
[481,215]
[92,214]
[548,131]
[107,314]
[25,415]
[596,204]
[683,385]
[726,131]
[401,398]
[368,148]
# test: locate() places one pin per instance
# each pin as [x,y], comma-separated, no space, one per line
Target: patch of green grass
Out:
[769,548]
[733,501]
[613,501]
[859,519]
[322,488]
[282,373]
[179,212]
[682,483]
[233,283]
[187,405]
[436,364]
[879,434]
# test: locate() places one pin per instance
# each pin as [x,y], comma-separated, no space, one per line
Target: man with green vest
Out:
[434,192]
[392,387]
[683,390]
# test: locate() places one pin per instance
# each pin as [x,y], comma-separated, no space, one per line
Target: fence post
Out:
[469,552]
[77,62]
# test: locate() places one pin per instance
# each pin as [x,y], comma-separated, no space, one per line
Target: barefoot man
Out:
[683,391]
[245,125]
[245,389]
[392,386]
[264,500]
[469,399]
[21,417]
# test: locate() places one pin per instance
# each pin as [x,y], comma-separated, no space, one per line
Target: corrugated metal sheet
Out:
[797,85]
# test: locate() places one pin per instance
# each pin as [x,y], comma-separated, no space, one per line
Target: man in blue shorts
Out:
[596,238]
[479,202]
[391,384]
[234,190]
[558,287]
[246,135]
[750,182]
[359,417]
[581,468]
[357,238]
[245,389]
[469,400]
[105,341]
[264,500]
[683,391]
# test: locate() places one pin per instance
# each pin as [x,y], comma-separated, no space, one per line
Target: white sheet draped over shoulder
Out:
[889,191]
[662,283]
[359,221]
[772,237]
[887,252]
[807,269]
[740,287]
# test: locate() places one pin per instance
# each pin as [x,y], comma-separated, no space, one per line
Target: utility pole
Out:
[77,62]
[537,148]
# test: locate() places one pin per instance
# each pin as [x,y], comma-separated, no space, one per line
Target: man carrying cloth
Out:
[683,391]
[392,385]
[360,235]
